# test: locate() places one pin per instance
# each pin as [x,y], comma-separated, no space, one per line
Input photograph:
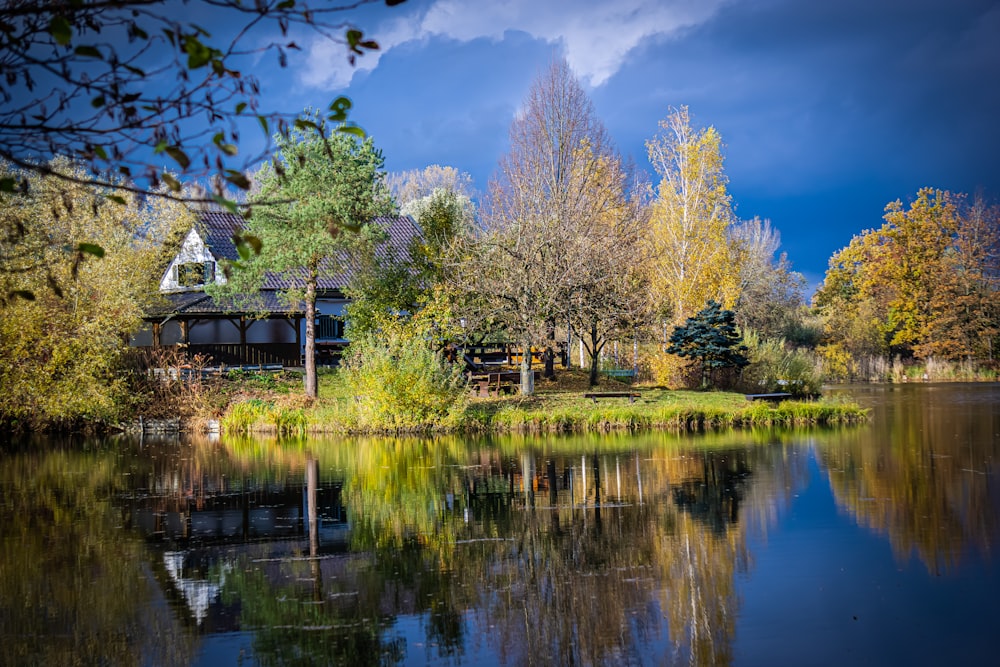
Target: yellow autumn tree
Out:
[80,266]
[923,284]
[690,220]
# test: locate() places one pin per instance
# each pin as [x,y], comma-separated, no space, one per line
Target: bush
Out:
[400,379]
[776,367]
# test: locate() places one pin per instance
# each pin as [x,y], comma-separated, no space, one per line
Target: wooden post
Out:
[156,335]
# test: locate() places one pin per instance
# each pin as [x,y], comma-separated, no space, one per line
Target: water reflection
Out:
[620,549]
[925,474]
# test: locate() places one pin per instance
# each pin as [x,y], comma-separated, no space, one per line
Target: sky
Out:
[828,110]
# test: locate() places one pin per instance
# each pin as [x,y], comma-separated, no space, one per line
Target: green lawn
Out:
[554,408]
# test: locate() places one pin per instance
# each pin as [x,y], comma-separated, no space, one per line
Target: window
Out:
[329,326]
[195,273]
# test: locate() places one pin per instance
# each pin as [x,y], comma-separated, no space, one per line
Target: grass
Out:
[556,407]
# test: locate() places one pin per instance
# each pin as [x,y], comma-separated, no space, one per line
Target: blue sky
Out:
[829,110]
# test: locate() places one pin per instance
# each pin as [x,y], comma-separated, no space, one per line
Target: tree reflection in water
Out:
[539,551]
[925,475]
[556,558]
[588,550]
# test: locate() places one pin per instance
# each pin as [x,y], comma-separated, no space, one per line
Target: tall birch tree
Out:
[690,218]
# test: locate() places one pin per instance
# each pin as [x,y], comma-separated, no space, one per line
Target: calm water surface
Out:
[874,545]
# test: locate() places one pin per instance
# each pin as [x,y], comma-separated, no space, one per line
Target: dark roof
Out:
[400,230]
[199,303]
[217,229]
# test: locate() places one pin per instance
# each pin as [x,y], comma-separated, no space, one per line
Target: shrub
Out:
[399,377]
[774,367]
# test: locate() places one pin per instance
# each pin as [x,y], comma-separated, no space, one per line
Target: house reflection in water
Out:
[199,527]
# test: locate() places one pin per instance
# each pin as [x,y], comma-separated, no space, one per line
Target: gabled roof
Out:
[217,229]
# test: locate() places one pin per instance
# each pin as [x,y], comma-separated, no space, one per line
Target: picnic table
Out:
[495,382]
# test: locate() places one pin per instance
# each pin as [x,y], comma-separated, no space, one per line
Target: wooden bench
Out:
[774,398]
[630,395]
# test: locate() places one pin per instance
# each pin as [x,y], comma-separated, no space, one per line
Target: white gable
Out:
[193,252]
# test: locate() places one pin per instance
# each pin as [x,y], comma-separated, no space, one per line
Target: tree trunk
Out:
[310,361]
[527,375]
[595,356]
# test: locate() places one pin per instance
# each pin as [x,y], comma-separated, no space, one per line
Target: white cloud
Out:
[596,36]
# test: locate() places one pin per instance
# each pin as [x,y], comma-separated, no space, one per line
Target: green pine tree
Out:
[711,338]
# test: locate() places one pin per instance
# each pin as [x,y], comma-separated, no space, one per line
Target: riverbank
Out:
[560,406]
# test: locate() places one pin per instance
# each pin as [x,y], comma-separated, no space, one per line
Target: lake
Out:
[866,545]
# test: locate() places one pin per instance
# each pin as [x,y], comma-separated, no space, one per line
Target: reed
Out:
[554,411]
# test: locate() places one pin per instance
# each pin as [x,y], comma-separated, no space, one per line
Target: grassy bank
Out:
[559,406]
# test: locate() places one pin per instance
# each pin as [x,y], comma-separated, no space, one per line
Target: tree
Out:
[770,293]
[690,219]
[535,244]
[617,305]
[398,372]
[416,184]
[924,283]
[86,80]
[334,187]
[711,337]
[65,327]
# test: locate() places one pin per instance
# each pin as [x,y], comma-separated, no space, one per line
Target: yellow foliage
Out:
[668,370]
[689,220]
[91,264]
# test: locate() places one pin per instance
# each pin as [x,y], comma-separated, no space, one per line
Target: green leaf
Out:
[238,179]
[227,204]
[171,182]
[91,249]
[199,54]
[179,156]
[61,30]
[263,123]
[353,37]
[286,4]
[240,107]
[339,108]
[393,3]
[352,129]
[100,152]
[305,124]
[88,52]
[118,199]
[253,242]
[7,184]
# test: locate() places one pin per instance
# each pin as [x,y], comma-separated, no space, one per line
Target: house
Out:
[271,331]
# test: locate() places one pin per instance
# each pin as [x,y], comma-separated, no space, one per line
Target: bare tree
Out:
[770,292]
[547,216]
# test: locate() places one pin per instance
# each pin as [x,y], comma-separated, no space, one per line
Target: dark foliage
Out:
[711,338]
